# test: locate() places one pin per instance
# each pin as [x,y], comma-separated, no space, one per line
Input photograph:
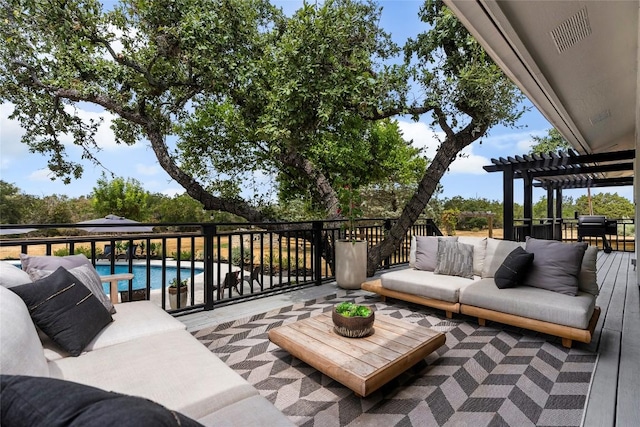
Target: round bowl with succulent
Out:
[352,320]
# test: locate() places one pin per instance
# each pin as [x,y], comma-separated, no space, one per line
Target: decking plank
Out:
[615,387]
[601,404]
[627,411]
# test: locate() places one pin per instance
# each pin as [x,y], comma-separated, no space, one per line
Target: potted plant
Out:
[350,252]
[173,293]
[352,320]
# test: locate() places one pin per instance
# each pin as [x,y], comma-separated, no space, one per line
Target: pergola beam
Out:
[558,171]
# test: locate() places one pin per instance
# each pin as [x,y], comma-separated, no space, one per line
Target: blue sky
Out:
[466,177]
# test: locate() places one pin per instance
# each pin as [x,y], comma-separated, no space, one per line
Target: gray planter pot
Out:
[173,297]
[351,263]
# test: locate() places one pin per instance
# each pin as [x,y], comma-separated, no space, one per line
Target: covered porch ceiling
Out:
[577,61]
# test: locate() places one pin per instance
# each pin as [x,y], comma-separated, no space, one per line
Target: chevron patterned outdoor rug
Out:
[482,376]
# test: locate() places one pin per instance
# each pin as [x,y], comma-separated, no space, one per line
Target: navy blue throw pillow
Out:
[64,309]
[513,269]
[41,401]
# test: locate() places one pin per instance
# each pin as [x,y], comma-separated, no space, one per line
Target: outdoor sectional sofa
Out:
[143,352]
[553,291]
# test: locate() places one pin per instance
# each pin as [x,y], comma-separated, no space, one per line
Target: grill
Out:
[597,226]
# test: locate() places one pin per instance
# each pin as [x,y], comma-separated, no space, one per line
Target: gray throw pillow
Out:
[88,276]
[30,262]
[64,309]
[427,251]
[555,265]
[454,259]
[587,277]
[497,251]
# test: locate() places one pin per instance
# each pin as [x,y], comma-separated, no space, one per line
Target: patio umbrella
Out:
[8,231]
[117,224]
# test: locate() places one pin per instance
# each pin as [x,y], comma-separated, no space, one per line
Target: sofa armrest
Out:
[113,280]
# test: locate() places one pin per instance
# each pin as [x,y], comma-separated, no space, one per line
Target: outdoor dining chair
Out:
[231,280]
[107,253]
[256,274]
[129,253]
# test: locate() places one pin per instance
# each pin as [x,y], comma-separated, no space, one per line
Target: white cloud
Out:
[422,135]
[469,163]
[425,137]
[11,149]
[104,136]
[170,192]
[520,141]
[147,170]
[40,175]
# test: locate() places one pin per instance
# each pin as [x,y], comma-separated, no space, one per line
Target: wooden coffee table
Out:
[361,364]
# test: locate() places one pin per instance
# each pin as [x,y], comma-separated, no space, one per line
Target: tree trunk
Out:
[446,154]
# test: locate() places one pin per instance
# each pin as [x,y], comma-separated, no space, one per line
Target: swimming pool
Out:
[140,275]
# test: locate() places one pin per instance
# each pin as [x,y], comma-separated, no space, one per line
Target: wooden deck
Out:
[615,391]
[614,398]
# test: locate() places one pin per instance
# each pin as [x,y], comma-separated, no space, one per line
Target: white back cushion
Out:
[21,352]
[479,251]
[11,275]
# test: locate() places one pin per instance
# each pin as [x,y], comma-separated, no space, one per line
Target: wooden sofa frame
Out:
[568,334]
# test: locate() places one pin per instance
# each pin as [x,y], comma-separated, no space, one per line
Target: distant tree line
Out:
[129,199]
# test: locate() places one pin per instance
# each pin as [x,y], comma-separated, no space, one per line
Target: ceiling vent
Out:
[571,31]
[603,115]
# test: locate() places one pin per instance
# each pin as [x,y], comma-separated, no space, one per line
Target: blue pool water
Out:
[140,275]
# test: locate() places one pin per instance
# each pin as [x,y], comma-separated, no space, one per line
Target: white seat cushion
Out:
[252,411]
[172,369]
[425,283]
[133,320]
[530,302]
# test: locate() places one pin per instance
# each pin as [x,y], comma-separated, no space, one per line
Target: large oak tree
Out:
[224,89]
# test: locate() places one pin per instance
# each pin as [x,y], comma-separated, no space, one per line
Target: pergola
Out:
[555,172]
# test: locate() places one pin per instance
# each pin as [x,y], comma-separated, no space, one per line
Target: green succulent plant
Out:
[349,309]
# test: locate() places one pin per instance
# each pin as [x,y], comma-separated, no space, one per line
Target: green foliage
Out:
[155,249]
[61,252]
[86,251]
[475,205]
[173,283]
[183,255]
[119,197]
[247,92]
[458,76]
[349,309]
[553,141]
[77,250]
[11,203]
[239,258]
[449,219]
[610,204]
[178,209]
[540,207]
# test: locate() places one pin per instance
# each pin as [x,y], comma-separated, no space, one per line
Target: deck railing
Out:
[221,263]
[567,231]
[230,262]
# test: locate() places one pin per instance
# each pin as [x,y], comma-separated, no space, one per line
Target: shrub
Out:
[86,251]
[238,258]
[183,255]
